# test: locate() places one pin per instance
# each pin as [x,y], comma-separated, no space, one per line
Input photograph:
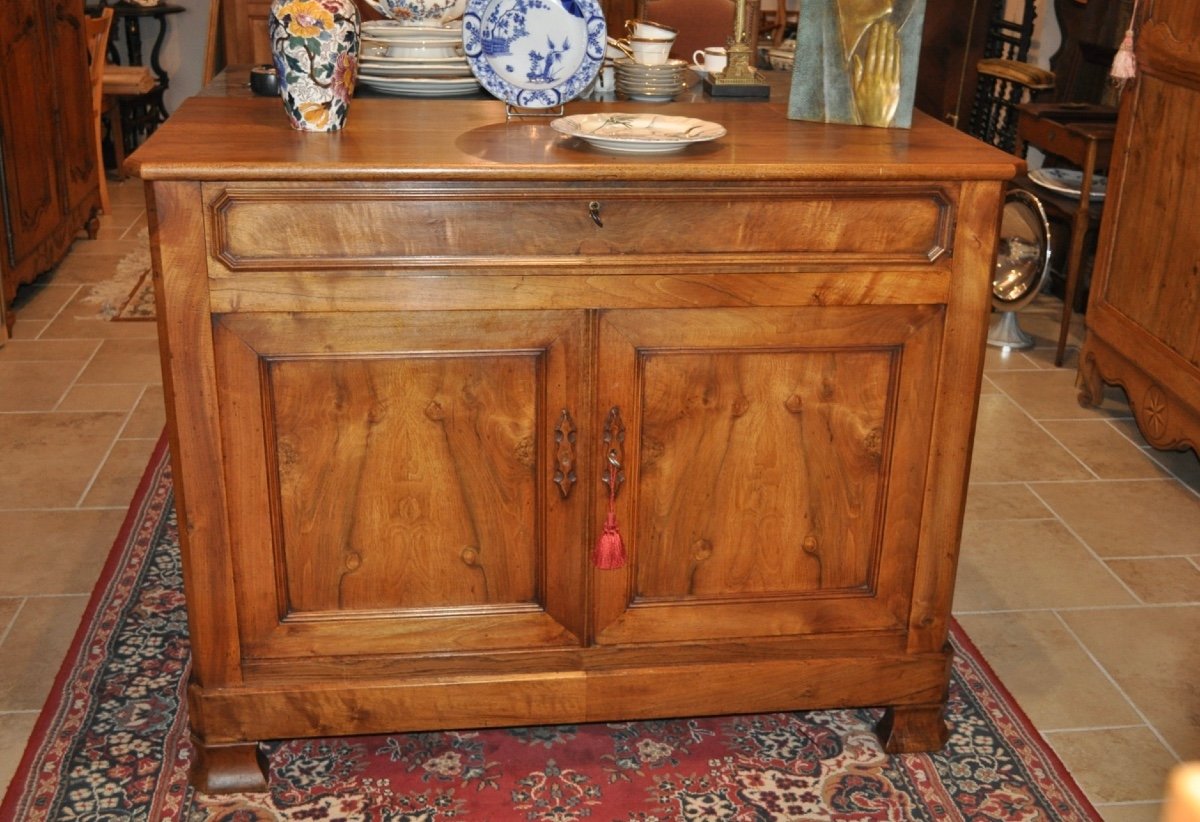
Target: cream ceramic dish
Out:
[638,133]
[419,12]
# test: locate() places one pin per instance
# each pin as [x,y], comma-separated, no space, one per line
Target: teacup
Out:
[650,51]
[605,82]
[712,59]
[616,49]
[648,28]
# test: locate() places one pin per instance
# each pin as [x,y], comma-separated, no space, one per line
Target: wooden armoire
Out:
[1143,317]
[50,184]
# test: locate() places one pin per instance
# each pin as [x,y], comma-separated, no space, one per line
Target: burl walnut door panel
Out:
[775,461]
[394,487]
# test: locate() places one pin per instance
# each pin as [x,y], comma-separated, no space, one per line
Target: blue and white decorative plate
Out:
[534,53]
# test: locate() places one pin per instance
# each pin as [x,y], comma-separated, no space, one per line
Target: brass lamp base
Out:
[739,78]
[751,88]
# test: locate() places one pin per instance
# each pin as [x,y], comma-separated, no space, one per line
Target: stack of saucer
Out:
[655,84]
[418,61]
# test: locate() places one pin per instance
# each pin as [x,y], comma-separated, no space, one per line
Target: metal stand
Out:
[1006,333]
[512,112]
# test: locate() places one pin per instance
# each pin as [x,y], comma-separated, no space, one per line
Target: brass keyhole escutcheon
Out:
[594,213]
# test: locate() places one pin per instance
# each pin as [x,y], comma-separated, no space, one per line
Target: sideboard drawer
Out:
[278,228]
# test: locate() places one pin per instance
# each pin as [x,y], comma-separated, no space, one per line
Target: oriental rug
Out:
[112,743]
[128,294]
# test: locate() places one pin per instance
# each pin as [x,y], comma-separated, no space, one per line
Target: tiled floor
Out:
[1080,572]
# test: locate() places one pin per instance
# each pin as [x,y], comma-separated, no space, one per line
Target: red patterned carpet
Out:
[112,743]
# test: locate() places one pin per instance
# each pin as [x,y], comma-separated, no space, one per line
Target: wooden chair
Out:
[122,84]
[1005,79]
[1079,135]
[96,29]
[775,16]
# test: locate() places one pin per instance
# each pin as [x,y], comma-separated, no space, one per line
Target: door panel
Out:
[774,468]
[408,501]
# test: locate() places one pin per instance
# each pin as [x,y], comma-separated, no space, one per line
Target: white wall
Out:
[182,53]
[1046,36]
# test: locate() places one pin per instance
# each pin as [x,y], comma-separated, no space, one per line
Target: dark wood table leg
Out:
[1079,229]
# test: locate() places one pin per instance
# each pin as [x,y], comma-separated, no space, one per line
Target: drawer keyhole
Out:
[594,213]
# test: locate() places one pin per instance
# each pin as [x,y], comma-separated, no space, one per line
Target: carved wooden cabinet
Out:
[49,181]
[401,361]
[1143,317]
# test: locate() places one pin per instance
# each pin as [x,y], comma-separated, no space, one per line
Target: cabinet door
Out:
[774,463]
[73,127]
[393,486]
[33,204]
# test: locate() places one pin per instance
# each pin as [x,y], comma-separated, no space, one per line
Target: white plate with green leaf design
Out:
[638,133]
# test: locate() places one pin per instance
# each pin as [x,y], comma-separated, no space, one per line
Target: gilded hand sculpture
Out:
[876,81]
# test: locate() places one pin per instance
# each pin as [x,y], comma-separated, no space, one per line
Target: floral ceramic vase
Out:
[315,43]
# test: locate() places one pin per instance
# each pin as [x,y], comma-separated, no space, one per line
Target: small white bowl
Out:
[419,12]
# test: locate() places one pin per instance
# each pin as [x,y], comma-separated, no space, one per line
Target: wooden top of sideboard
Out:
[249,138]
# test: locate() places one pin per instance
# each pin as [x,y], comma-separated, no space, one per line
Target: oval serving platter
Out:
[534,53]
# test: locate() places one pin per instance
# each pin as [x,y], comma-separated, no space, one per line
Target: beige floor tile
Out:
[986,387]
[48,350]
[1010,447]
[102,397]
[1169,580]
[1116,764]
[9,608]
[1131,812]
[82,318]
[1043,355]
[109,230]
[1052,677]
[997,359]
[55,552]
[1153,655]
[1042,320]
[1019,565]
[125,361]
[35,386]
[15,728]
[149,417]
[986,501]
[28,329]
[1128,518]
[50,458]
[1128,427]
[43,300]
[33,650]
[118,478]
[141,225]
[1051,395]
[95,264]
[1106,451]
[1185,465]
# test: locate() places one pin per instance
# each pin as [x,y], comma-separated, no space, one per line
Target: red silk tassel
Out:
[610,548]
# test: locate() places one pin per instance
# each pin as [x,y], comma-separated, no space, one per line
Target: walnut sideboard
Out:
[401,361]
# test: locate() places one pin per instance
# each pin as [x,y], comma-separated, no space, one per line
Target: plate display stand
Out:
[512,112]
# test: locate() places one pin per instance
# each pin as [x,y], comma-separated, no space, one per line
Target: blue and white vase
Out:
[315,44]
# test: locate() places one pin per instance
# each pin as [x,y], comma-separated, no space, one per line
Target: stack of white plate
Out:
[415,61]
[654,84]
